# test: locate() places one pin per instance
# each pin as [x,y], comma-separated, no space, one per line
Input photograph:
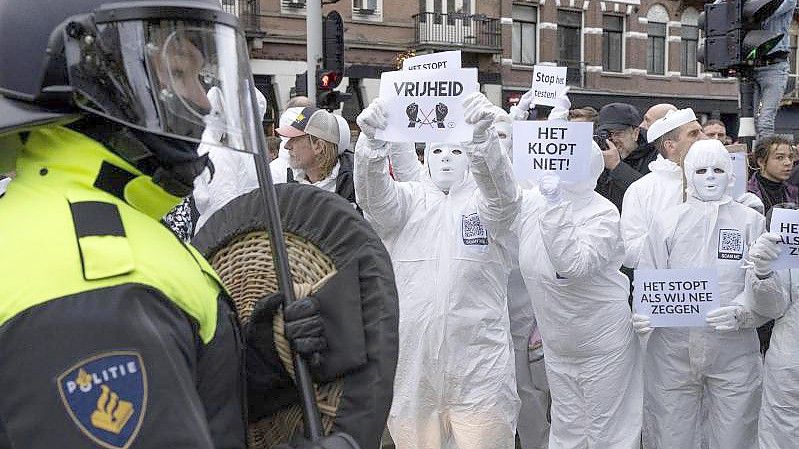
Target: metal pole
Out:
[313,31]
[746,124]
[302,376]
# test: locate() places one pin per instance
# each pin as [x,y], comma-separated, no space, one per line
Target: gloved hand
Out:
[725,318]
[372,118]
[478,111]
[338,440]
[304,329]
[303,324]
[549,185]
[763,254]
[642,324]
[522,110]
[561,109]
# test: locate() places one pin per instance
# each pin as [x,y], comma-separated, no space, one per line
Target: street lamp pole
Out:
[313,31]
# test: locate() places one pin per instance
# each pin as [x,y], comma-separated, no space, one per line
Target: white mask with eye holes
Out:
[708,170]
[448,164]
[710,183]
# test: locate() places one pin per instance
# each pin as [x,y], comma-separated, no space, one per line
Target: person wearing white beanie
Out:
[673,135]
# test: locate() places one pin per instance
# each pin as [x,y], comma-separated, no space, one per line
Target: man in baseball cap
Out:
[318,150]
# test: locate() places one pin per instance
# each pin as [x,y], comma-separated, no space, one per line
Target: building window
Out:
[292,6]
[525,19]
[570,44]
[689,37]
[367,9]
[612,42]
[657,17]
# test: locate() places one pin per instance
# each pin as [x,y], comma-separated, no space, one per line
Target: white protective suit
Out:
[778,426]
[531,381]
[683,364]
[454,380]
[234,172]
[570,254]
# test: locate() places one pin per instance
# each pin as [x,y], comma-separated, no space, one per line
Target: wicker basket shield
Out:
[239,249]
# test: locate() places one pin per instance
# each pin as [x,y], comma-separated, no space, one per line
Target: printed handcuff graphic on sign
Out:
[440,110]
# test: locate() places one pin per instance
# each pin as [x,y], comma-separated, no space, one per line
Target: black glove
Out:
[441,114]
[335,441]
[413,114]
[304,329]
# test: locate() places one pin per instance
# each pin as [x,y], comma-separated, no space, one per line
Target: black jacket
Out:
[613,183]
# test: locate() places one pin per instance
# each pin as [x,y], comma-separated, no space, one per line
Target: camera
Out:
[600,138]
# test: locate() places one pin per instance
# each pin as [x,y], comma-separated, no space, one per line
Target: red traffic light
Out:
[329,80]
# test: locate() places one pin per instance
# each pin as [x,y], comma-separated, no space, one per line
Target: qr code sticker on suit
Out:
[731,244]
[472,231]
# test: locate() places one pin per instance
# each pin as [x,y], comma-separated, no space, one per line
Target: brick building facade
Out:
[638,51]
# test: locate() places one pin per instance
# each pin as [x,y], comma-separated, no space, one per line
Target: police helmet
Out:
[146,65]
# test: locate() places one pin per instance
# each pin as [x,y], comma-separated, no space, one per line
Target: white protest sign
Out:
[433,61]
[553,147]
[426,105]
[548,83]
[785,222]
[738,157]
[676,297]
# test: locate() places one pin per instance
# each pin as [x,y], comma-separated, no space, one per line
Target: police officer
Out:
[113,333]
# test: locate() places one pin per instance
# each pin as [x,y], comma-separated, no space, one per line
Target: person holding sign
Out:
[721,360]
[448,238]
[569,254]
[778,424]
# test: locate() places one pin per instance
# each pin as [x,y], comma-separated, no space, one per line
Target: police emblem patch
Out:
[106,397]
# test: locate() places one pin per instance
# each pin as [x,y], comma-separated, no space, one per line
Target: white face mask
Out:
[710,183]
[447,165]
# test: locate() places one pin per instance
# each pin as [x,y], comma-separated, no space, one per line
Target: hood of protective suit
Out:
[709,154]
[584,188]
[216,119]
[442,181]
[665,166]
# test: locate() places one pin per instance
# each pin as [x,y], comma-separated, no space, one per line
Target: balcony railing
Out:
[245,10]
[457,30]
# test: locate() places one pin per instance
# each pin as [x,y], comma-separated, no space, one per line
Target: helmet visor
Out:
[188,79]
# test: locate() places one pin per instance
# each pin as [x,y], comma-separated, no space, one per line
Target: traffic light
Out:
[329,80]
[332,72]
[734,36]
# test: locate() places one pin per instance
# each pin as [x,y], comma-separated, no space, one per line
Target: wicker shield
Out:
[325,237]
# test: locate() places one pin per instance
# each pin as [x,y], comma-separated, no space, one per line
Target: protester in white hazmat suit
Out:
[778,426]
[570,253]
[233,173]
[447,238]
[720,360]
[531,383]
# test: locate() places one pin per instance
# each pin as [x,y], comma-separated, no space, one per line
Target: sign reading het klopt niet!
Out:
[554,147]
